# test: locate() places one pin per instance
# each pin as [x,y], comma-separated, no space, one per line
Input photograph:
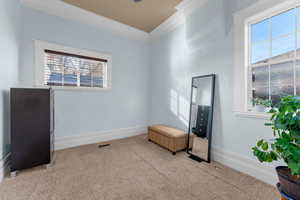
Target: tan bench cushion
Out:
[168,131]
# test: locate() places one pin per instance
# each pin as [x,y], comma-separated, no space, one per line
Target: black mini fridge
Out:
[32,128]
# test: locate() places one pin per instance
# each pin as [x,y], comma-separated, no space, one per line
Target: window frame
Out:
[41,47]
[241,18]
[265,15]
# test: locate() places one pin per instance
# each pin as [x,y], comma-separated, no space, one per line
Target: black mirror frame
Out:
[210,120]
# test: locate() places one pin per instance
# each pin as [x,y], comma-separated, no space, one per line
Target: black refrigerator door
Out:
[30,128]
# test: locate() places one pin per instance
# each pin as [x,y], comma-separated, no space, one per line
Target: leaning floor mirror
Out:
[201,117]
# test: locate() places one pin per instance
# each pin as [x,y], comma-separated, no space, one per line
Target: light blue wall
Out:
[147,82]
[84,112]
[204,45]
[9,51]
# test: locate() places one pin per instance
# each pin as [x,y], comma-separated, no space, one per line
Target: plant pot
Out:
[290,184]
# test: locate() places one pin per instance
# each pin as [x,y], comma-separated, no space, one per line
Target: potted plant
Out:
[285,123]
[261,105]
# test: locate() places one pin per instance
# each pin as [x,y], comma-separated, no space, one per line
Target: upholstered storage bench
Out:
[173,139]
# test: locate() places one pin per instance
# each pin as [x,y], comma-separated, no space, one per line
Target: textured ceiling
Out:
[145,15]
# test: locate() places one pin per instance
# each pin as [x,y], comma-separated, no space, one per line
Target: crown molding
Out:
[70,12]
[184,9]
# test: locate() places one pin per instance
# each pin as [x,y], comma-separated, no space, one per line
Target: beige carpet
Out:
[132,169]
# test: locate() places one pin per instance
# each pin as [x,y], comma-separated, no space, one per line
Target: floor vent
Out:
[103,145]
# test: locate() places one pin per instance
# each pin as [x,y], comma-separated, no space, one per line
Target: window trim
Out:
[253,20]
[41,47]
[255,13]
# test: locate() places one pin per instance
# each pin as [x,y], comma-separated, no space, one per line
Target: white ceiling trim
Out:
[70,12]
[67,11]
[185,8]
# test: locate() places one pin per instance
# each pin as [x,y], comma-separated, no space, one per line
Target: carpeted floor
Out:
[132,169]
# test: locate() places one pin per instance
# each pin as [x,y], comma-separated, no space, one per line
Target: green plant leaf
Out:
[273,155]
[294,167]
[285,124]
[268,124]
[259,143]
[265,146]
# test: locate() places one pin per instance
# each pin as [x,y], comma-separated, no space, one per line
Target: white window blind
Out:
[70,70]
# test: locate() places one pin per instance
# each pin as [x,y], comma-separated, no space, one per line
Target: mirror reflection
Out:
[201,115]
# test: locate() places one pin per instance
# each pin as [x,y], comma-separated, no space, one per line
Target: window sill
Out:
[249,114]
[75,88]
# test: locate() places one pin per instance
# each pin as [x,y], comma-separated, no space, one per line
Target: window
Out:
[64,67]
[274,56]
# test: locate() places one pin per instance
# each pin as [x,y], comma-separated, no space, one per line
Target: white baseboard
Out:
[263,172]
[83,139]
[4,167]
